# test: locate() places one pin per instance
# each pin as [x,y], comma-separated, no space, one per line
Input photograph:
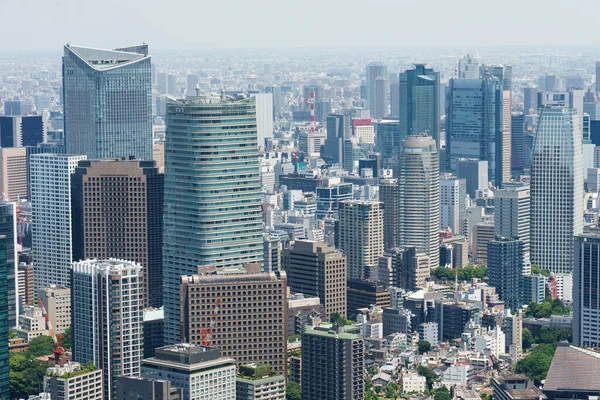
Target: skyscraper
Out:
[388,194]
[517,141]
[8,230]
[51,217]
[513,215]
[597,76]
[107,99]
[556,189]
[453,198]
[339,135]
[361,235]
[505,270]
[117,212]
[530,100]
[4,324]
[586,290]
[22,130]
[419,196]
[377,89]
[419,102]
[477,127]
[107,310]
[219,221]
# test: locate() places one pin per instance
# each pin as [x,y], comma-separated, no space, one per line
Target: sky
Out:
[45,25]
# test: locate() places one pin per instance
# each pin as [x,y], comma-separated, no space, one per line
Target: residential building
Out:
[107,102]
[413,383]
[136,388]
[361,235]
[429,331]
[224,225]
[57,302]
[586,290]
[13,172]
[556,189]
[74,381]
[259,382]
[315,269]
[505,270]
[388,195]
[419,196]
[200,371]
[51,217]
[103,322]
[243,329]
[513,329]
[453,197]
[410,267]
[335,354]
[512,216]
[25,285]
[117,212]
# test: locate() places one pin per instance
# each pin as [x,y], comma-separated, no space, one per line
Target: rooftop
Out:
[573,368]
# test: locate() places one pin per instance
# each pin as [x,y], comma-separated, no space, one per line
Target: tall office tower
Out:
[191,83]
[22,130]
[107,102]
[361,235]
[338,132]
[419,102]
[172,89]
[13,172]
[468,67]
[240,297]
[220,222]
[51,217]
[322,110]
[572,98]
[72,381]
[377,89]
[264,117]
[513,216]
[388,195]
[8,229]
[597,76]
[107,310]
[315,269]
[388,140]
[395,99]
[530,103]
[517,141]
[200,371]
[117,212]
[279,100]
[477,126]
[586,290]
[475,173]
[419,196]
[334,364]
[505,270]
[453,198]
[161,82]
[556,189]
[4,323]
[502,72]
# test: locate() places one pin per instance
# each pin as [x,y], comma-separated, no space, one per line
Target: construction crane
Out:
[311,106]
[322,223]
[58,340]
[207,333]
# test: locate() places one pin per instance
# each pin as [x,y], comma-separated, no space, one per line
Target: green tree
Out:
[40,346]
[537,363]
[528,339]
[12,334]
[442,394]
[294,338]
[68,338]
[536,270]
[424,346]
[429,374]
[26,375]
[392,390]
[293,391]
[336,317]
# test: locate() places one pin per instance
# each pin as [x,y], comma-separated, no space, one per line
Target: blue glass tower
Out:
[107,97]
[212,211]
[8,228]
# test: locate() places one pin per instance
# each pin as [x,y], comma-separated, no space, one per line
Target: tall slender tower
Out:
[419,196]
[107,101]
[556,189]
[212,211]
[377,89]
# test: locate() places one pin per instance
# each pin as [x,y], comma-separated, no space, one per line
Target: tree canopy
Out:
[424,346]
[547,308]
[429,374]
[537,363]
[464,274]
[293,391]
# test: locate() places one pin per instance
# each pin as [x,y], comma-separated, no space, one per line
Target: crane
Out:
[58,339]
[207,333]
[322,223]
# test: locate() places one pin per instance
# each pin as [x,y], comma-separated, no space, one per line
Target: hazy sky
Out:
[198,24]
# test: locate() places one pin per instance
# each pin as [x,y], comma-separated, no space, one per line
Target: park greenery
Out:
[293,391]
[537,363]
[547,308]
[27,373]
[464,274]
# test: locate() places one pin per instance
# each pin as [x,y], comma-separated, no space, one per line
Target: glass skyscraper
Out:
[212,209]
[107,98]
[4,369]
[8,229]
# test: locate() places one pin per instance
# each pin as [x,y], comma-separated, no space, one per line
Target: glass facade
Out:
[586,290]
[212,211]
[107,98]
[4,381]
[8,229]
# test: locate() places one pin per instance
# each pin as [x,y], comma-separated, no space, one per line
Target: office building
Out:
[25,285]
[452,317]
[264,117]
[505,270]
[394,99]
[200,371]
[8,230]
[57,302]
[309,143]
[136,388]
[22,130]
[243,329]
[597,76]
[517,141]
[512,326]
[586,290]
[419,102]
[388,140]
[556,189]
[220,222]
[483,233]
[572,98]
[315,269]
[534,288]
[388,195]
[74,381]
[107,102]
[453,199]
[478,125]
[512,215]
[191,83]
[31,323]
[338,145]
[13,173]
[419,196]
[158,155]
[396,320]
[377,89]
[117,212]
[530,103]
[102,322]
[361,235]
[172,89]
[330,195]
[475,174]
[51,217]
[17,107]
[161,82]
[410,268]
[335,355]
[154,325]
[259,382]
[4,323]
[363,294]
[468,67]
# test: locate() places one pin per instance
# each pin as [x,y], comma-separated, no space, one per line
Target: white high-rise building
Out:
[51,217]
[453,192]
[419,196]
[264,117]
[512,216]
[556,189]
[107,301]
